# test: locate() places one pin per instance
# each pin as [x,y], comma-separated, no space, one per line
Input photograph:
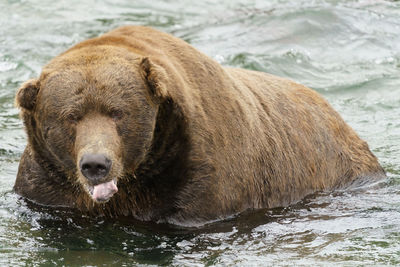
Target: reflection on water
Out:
[347,50]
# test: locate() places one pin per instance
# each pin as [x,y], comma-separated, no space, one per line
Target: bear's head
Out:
[92,113]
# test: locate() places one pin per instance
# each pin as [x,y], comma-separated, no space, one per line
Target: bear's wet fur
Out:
[189,141]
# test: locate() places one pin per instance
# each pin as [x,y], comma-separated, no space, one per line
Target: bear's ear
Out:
[26,95]
[156,79]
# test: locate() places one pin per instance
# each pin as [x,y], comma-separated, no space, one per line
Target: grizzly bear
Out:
[139,123]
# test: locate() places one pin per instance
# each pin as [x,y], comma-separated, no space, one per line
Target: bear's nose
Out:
[95,167]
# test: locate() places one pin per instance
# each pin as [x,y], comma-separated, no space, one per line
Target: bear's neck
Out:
[162,172]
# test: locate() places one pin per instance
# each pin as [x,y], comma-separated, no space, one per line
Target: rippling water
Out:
[349,51]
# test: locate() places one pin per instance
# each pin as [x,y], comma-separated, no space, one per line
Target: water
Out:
[349,51]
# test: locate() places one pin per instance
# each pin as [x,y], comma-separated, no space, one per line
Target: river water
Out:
[349,51]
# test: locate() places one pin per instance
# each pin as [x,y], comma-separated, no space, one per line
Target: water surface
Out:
[349,51]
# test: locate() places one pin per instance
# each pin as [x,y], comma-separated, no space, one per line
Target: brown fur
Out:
[190,141]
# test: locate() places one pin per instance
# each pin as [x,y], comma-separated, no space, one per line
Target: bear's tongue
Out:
[102,192]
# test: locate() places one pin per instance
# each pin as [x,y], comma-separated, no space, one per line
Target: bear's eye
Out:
[73,118]
[46,132]
[117,114]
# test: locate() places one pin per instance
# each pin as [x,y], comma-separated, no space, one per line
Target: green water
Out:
[349,51]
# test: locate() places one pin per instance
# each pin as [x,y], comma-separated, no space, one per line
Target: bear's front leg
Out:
[40,186]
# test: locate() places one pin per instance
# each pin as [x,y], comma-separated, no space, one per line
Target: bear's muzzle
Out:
[95,167]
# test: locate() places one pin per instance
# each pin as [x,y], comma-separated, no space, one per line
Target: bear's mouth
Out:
[102,192]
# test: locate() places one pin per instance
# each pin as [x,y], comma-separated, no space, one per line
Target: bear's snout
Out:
[95,167]
[98,159]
